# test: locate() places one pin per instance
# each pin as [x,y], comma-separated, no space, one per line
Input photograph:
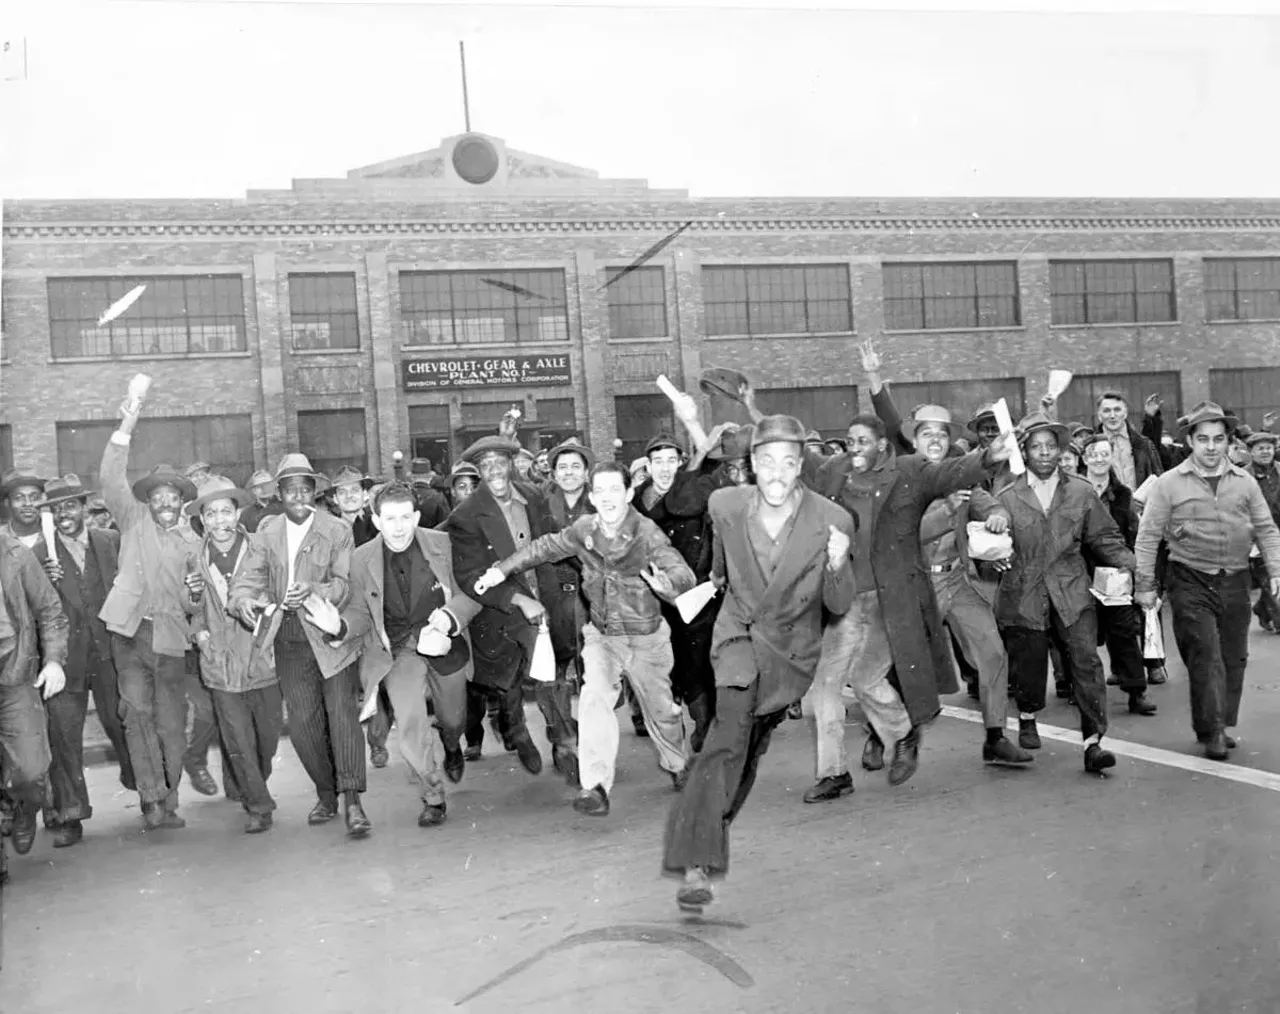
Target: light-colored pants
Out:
[973,625]
[646,659]
[855,650]
[410,683]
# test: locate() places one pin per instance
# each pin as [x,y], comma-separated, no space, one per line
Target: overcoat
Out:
[82,613]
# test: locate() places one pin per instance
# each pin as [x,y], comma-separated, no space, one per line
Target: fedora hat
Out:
[1262,437]
[984,411]
[293,465]
[217,487]
[348,475]
[16,477]
[196,466]
[722,381]
[571,446]
[778,428]
[261,478]
[491,444]
[95,504]
[931,414]
[164,475]
[734,444]
[1037,421]
[66,487]
[1204,412]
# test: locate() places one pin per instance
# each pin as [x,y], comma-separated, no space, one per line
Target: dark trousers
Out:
[153,704]
[249,724]
[693,681]
[324,720]
[204,733]
[1266,608]
[105,685]
[1078,644]
[24,744]
[70,795]
[723,773]
[1211,626]
[378,728]
[554,700]
[1120,629]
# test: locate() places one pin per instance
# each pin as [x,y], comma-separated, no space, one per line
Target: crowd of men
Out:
[716,583]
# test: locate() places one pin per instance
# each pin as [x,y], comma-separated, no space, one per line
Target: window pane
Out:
[944,296]
[479,307]
[1115,292]
[322,311]
[637,303]
[778,299]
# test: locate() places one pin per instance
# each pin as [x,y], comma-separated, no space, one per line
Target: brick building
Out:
[407,306]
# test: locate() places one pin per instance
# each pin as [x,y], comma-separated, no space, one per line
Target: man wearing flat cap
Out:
[22,492]
[501,517]
[82,565]
[145,611]
[1212,513]
[1263,467]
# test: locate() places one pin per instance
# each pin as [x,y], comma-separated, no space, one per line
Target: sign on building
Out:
[498,371]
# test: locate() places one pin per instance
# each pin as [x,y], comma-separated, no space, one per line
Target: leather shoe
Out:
[473,753]
[257,823]
[1028,734]
[455,764]
[527,751]
[592,802]
[170,821]
[830,787]
[1113,680]
[695,892]
[1157,676]
[795,712]
[637,723]
[67,834]
[378,756]
[1004,752]
[1139,705]
[1231,743]
[1214,749]
[202,781]
[906,757]
[566,763]
[323,812]
[24,828]
[872,753]
[1097,760]
[432,815]
[358,825]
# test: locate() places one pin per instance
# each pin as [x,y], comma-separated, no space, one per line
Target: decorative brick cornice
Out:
[177,231]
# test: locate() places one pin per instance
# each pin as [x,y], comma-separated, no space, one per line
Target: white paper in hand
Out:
[543,666]
[1016,465]
[432,643]
[692,602]
[1059,381]
[46,527]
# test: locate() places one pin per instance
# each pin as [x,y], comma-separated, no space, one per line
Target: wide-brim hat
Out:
[63,488]
[164,475]
[935,414]
[733,445]
[261,478]
[489,445]
[15,477]
[1037,421]
[571,446]
[348,475]
[217,487]
[299,465]
[984,411]
[778,428]
[723,381]
[1204,412]
[95,504]
[1262,437]
[196,466]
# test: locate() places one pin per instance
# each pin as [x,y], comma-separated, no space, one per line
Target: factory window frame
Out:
[176,315]
[825,409]
[637,302]
[1241,288]
[951,296]
[224,441]
[1112,292]
[323,313]
[777,299]
[527,307]
[640,418]
[332,438]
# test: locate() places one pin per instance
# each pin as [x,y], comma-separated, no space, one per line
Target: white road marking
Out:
[1137,751]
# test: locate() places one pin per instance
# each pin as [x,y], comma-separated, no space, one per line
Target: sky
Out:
[198,99]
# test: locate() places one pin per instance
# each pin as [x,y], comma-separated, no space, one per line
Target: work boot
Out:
[695,892]
[378,756]
[170,821]
[1028,734]
[1004,752]
[257,823]
[1231,743]
[202,781]
[593,802]
[1139,705]
[872,753]
[24,828]
[323,812]
[455,765]
[906,757]
[473,753]
[432,815]
[67,834]
[1097,760]
[358,825]
[527,751]
[565,761]
[1156,676]
[1215,748]
[795,712]
[830,787]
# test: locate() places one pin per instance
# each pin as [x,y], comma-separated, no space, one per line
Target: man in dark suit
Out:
[82,567]
[502,516]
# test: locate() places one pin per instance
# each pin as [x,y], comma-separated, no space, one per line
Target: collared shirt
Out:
[294,534]
[1044,488]
[1122,457]
[78,547]
[769,549]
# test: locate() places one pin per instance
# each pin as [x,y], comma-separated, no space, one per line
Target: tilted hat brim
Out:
[973,423]
[237,495]
[82,494]
[491,445]
[1230,421]
[23,480]
[1061,432]
[143,487]
[719,380]
[321,481]
[582,452]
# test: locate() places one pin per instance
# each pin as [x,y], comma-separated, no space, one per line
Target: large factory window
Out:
[962,398]
[1249,393]
[1112,292]
[322,312]
[640,418]
[174,316]
[1080,403]
[331,439]
[810,299]
[483,307]
[941,297]
[224,441]
[1242,288]
[637,303]
[825,409]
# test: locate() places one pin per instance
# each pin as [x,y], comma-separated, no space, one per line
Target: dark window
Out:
[1112,292]
[225,442]
[927,297]
[322,312]
[825,409]
[641,417]
[777,300]
[331,439]
[6,448]
[1080,402]
[174,316]
[483,307]
[962,398]
[1242,289]
[637,303]
[1250,393]
[429,434]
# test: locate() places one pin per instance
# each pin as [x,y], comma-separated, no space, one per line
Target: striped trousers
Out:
[324,719]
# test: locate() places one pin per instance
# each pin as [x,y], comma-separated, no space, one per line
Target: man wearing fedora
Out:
[82,565]
[1044,594]
[781,556]
[266,502]
[22,493]
[502,516]
[1263,467]
[351,498]
[1211,512]
[145,611]
[302,553]
[241,682]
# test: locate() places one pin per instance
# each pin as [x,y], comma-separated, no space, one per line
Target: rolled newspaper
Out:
[667,388]
[1016,465]
[1059,381]
[46,526]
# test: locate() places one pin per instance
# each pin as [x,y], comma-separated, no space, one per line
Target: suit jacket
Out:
[82,613]
[323,562]
[771,631]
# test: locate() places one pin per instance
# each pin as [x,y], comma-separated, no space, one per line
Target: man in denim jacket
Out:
[626,562]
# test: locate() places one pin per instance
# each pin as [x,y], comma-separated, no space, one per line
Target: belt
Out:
[944,568]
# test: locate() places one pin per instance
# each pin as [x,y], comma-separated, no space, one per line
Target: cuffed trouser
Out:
[249,724]
[1211,626]
[411,682]
[24,744]
[66,715]
[855,650]
[723,773]
[1029,667]
[153,703]
[973,625]
[647,661]
[1120,629]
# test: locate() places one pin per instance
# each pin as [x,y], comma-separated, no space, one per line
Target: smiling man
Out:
[23,492]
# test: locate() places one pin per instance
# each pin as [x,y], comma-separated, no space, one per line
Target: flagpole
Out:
[466,105]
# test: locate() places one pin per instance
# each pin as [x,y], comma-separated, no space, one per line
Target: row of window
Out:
[206,314]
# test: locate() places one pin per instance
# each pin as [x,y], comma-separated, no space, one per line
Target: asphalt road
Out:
[969,889]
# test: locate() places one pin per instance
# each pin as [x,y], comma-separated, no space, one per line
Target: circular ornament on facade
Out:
[475,159]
